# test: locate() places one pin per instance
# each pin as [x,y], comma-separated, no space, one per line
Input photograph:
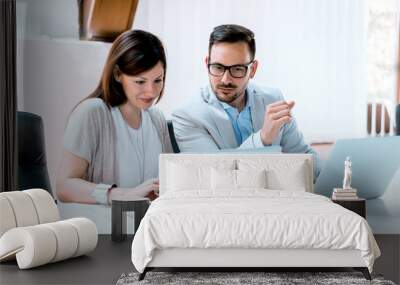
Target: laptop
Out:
[374,160]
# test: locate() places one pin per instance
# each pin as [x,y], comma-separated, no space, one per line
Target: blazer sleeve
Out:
[293,142]
[191,135]
[290,139]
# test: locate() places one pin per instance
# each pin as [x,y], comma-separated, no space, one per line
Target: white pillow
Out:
[223,179]
[183,177]
[289,174]
[251,178]
[293,179]
[186,175]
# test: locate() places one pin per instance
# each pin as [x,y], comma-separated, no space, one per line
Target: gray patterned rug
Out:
[229,278]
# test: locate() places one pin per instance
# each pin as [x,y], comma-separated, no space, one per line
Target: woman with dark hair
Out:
[114,137]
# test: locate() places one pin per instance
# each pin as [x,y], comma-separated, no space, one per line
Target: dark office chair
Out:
[175,146]
[32,165]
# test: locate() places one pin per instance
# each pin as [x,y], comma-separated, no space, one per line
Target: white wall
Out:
[57,75]
[53,18]
[42,18]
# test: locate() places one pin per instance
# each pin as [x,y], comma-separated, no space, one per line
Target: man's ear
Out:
[253,69]
[206,60]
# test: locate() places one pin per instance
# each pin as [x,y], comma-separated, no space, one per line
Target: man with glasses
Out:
[231,113]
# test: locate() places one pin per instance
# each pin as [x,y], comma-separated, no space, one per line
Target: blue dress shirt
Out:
[241,121]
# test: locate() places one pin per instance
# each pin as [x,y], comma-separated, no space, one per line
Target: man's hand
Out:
[276,115]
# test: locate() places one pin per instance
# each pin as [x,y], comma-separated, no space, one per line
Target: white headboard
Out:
[297,166]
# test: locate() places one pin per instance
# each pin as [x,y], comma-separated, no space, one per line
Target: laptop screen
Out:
[374,163]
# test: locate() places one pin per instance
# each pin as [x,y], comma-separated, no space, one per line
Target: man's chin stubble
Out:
[227,100]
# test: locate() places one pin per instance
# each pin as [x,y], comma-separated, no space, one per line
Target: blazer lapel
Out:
[225,135]
[257,108]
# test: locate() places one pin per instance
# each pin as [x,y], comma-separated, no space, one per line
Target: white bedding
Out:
[252,218]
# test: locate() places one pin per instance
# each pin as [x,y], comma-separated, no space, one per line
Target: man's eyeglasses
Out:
[236,71]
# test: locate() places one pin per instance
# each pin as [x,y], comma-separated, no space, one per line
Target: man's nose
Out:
[226,77]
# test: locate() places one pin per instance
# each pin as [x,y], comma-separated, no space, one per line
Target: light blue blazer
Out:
[202,125]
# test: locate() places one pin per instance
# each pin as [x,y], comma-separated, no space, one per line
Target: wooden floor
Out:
[111,259]
[389,262]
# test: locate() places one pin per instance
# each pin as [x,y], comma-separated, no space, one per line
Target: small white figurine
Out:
[347,174]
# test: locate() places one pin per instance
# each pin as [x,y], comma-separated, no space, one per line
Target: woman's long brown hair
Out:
[133,52]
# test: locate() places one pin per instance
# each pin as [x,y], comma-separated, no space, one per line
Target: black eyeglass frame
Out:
[229,68]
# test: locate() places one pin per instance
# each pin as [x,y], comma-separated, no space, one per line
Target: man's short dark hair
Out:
[233,34]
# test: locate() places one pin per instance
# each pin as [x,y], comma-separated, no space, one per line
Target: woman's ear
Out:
[117,73]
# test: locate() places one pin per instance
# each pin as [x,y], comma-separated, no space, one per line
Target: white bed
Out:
[247,210]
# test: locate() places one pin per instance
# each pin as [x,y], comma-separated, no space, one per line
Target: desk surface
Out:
[102,266]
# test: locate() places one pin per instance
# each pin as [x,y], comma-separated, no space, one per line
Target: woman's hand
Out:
[152,195]
[148,189]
